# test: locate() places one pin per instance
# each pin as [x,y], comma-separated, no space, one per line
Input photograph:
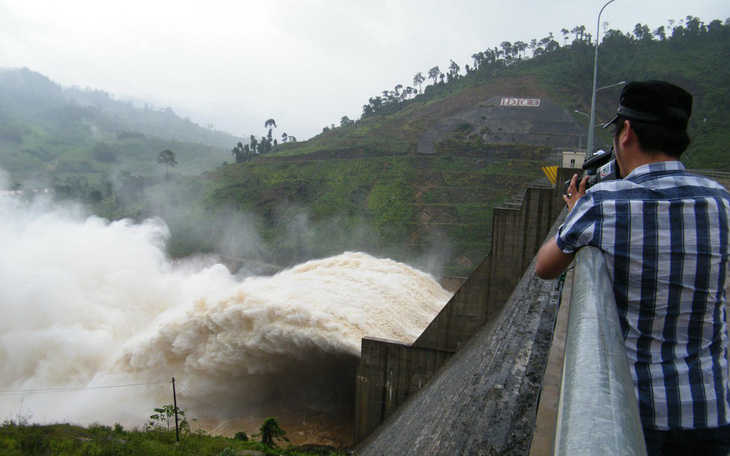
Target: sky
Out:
[234,64]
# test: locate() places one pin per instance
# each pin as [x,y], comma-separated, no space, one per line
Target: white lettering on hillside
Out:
[531,102]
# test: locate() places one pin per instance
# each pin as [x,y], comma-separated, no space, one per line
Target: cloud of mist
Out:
[92,303]
[287,235]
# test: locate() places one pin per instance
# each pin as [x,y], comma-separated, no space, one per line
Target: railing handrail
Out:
[598,412]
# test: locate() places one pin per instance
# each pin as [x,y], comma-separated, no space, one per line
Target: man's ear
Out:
[627,134]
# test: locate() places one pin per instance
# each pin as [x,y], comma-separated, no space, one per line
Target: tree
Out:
[241,152]
[506,48]
[520,47]
[270,124]
[715,27]
[670,23]
[694,26]
[549,44]
[265,145]
[642,32]
[373,107]
[254,144]
[478,59]
[167,158]
[507,51]
[565,33]
[454,70]
[418,80]
[270,431]
[579,32]
[165,415]
[434,74]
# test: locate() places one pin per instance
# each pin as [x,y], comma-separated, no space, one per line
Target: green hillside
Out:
[693,55]
[405,180]
[363,185]
[52,134]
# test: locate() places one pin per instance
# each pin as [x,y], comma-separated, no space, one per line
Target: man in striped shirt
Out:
[666,238]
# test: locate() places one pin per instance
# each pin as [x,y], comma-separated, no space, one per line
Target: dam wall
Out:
[390,372]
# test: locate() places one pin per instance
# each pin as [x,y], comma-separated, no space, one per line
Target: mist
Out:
[284,236]
[97,319]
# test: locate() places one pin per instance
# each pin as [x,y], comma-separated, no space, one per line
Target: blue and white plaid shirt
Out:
[665,235]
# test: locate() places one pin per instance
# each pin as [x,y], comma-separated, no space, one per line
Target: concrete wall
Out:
[483,400]
[390,372]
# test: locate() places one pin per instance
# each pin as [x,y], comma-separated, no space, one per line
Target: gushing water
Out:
[97,306]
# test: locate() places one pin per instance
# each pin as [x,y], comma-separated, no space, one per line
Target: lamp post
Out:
[589,150]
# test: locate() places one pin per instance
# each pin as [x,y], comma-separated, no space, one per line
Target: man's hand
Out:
[551,261]
[575,191]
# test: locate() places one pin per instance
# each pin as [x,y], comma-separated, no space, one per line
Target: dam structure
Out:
[470,383]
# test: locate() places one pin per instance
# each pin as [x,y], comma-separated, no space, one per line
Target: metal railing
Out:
[598,412]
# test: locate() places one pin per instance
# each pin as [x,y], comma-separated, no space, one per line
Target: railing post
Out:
[598,412]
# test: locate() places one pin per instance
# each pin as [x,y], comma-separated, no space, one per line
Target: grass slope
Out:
[70,440]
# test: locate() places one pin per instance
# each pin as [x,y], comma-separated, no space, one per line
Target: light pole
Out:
[589,150]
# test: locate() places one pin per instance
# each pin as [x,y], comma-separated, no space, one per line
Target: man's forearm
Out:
[551,261]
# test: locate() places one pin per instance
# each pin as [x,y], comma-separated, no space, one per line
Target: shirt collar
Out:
[658,167]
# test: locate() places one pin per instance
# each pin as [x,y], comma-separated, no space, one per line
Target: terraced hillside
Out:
[417,208]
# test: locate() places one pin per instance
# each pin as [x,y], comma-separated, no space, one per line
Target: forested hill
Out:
[366,183]
[687,52]
[72,137]
[32,97]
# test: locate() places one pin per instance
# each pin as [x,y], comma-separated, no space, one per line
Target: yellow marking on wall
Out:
[551,172]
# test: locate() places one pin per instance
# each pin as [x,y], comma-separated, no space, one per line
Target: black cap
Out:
[655,102]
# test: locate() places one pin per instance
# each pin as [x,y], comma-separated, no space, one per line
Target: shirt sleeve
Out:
[579,226]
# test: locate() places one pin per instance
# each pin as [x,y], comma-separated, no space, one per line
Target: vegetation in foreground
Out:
[158,439]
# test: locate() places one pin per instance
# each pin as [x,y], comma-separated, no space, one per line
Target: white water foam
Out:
[87,303]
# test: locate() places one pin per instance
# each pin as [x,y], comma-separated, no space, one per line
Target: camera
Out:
[600,167]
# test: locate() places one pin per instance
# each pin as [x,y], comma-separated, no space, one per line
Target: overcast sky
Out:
[304,63]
